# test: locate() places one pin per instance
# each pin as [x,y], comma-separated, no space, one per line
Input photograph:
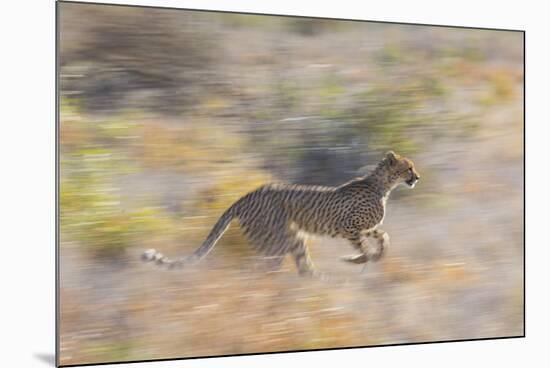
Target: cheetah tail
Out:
[216,233]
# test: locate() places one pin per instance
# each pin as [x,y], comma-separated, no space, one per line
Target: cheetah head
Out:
[400,169]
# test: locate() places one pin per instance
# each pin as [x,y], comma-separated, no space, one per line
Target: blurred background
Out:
[167,117]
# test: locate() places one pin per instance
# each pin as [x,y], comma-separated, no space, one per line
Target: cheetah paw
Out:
[355,258]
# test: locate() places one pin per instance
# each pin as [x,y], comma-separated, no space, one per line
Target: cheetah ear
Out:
[390,155]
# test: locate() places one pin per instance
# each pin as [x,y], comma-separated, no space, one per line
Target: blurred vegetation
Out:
[91,211]
[169,117]
[161,64]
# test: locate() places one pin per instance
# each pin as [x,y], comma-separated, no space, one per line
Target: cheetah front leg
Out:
[360,242]
[383,241]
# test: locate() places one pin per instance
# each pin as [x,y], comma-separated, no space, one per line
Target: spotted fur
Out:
[274,217]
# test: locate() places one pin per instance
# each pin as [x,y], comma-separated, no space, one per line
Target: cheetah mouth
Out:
[411,182]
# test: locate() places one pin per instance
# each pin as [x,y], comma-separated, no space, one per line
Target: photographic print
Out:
[235,184]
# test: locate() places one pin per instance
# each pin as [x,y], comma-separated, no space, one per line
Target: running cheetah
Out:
[275,217]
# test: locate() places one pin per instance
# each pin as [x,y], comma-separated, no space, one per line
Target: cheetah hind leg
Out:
[273,263]
[305,266]
[302,259]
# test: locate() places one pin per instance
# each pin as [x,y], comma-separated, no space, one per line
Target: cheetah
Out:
[274,217]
